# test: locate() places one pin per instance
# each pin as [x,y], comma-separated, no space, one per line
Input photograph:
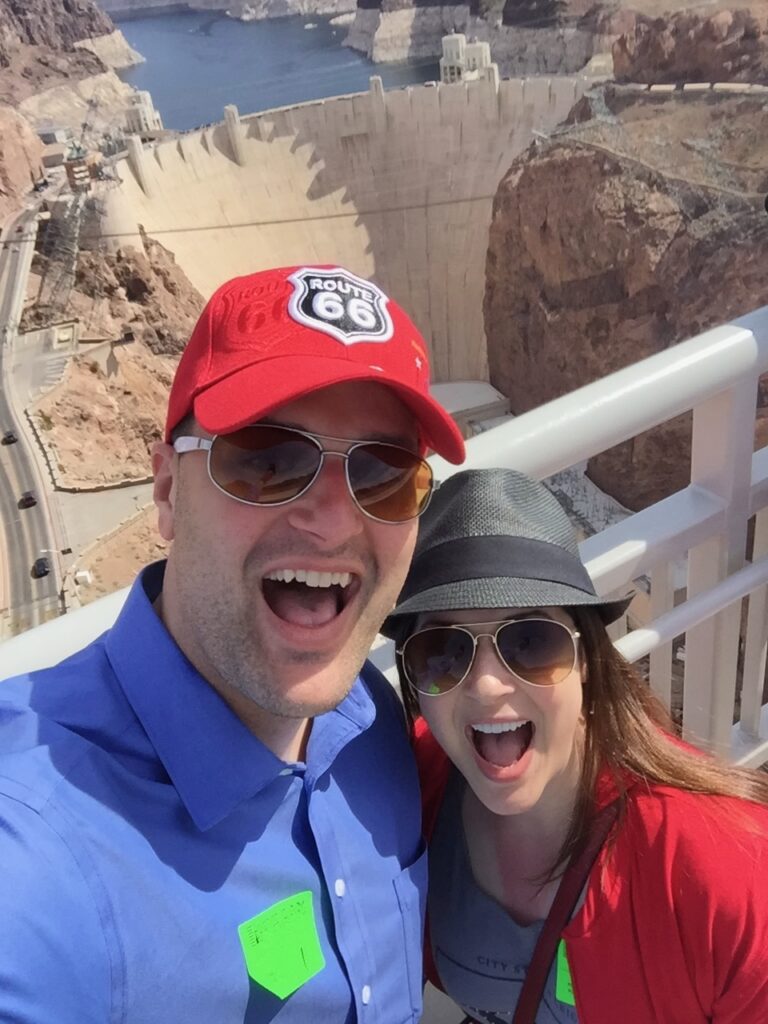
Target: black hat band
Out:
[474,558]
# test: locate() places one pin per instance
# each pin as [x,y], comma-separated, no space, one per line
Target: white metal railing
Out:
[716,376]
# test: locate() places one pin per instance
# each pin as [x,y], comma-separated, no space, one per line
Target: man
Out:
[211,813]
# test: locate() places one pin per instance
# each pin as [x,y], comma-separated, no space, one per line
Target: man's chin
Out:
[311,696]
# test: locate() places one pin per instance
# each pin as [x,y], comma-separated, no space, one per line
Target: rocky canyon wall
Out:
[397,186]
[55,61]
[398,32]
[639,226]
[248,10]
[52,23]
[20,152]
[695,46]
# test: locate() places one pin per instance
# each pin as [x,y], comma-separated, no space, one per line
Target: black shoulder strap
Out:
[560,913]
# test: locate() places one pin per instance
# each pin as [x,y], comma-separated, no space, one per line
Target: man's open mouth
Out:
[502,743]
[306,597]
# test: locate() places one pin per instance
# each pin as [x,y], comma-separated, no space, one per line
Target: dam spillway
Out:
[397,186]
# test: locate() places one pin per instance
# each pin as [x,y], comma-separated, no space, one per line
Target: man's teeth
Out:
[310,577]
[491,727]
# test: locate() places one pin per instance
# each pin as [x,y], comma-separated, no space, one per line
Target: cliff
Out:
[98,100]
[526,36]
[695,46]
[113,49]
[99,423]
[56,60]
[56,24]
[637,226]
[259,10]
[247,10]
[652,40]
[20,152]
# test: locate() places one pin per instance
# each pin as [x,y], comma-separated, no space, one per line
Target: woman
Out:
[573,841]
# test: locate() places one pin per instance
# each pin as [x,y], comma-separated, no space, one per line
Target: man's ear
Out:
[164,464]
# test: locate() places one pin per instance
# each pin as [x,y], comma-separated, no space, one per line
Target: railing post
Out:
[660,659]
[721,462]
[756,641]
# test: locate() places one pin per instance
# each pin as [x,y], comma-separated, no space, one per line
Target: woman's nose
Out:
[488,676]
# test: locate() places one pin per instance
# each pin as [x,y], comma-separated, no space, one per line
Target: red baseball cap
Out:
[268,338]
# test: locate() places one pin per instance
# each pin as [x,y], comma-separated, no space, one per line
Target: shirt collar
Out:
[212,758]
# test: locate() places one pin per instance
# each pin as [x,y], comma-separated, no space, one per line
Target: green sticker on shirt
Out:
[563,982]
[281,946]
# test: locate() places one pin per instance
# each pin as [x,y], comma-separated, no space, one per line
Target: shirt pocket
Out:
[411,890]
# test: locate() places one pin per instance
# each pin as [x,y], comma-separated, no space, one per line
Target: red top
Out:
[674,925]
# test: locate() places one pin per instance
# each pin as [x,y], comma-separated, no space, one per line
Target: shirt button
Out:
[365,995]
[286,771]
[340,887]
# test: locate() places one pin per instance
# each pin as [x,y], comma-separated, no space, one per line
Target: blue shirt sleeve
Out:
[54,964]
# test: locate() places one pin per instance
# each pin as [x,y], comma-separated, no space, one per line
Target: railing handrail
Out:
[606,412]
[714,374]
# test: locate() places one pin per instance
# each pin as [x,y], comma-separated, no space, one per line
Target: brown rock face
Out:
[57,24]
[693,46]
[100,424]
[146,292]
[630,233]
[36,52]
[20,151]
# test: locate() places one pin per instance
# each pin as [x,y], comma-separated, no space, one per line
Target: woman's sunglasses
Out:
[266,465]
[541,652]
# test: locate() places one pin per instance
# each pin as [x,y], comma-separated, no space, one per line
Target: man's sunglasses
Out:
[541,652]
[269,465]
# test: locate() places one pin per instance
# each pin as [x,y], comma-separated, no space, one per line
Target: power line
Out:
[385,210]
[404,208]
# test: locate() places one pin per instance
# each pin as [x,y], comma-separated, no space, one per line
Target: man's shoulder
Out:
[381,691]
[50,719]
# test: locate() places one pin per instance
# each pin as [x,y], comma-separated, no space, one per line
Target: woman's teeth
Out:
[310,578]
[496,727]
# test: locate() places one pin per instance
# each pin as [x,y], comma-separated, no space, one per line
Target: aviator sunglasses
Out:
[539,651]
[268,465]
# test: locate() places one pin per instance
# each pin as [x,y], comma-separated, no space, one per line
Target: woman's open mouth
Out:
[502,744]
[306,597]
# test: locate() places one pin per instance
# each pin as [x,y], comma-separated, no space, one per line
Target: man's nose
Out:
[328,510]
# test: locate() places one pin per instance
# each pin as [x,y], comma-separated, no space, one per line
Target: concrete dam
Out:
[398,186]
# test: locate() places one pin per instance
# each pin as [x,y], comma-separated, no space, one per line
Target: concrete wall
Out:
[397,186]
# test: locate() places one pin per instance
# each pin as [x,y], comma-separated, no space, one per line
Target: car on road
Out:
[9,438]
[41,567]
[27,500]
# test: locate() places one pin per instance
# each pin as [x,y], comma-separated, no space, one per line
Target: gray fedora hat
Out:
[495,538]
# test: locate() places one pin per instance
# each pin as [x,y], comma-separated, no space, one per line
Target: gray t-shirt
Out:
[481,952]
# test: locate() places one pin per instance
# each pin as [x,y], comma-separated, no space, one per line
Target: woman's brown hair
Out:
[630,733]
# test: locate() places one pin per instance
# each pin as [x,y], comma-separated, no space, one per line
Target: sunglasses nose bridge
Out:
[494,645]
[325,453]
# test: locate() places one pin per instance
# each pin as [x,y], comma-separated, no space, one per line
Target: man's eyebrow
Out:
[374,435]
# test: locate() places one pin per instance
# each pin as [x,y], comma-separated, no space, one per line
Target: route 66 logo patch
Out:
[340,304]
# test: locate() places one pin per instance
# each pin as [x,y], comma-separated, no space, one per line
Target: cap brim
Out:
[499,592]
[253,392]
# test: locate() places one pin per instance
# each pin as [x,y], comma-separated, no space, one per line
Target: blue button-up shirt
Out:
[141,823]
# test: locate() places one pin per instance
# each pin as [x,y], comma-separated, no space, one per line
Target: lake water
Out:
[197,62]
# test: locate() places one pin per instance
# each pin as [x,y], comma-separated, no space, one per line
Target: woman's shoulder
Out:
[717,840]
[434,771]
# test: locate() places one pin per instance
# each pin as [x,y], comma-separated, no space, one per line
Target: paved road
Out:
[28,533]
